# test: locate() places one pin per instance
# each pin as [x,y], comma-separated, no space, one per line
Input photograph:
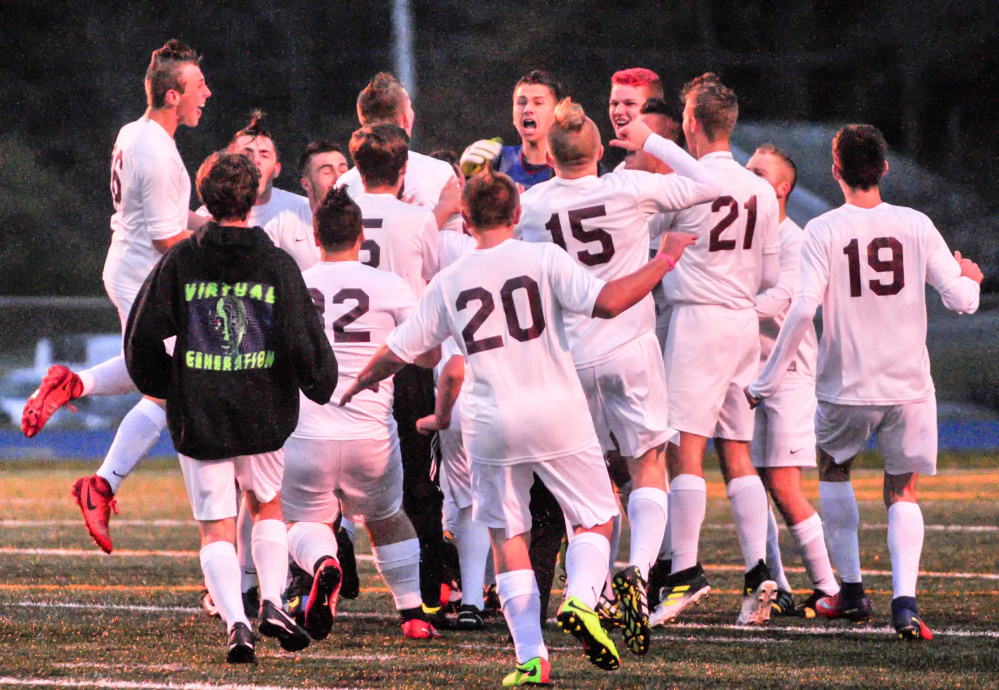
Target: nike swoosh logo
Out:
[796,451]
[118,475]
[300,239]
[90,504]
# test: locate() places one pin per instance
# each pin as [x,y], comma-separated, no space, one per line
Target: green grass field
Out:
[73,617]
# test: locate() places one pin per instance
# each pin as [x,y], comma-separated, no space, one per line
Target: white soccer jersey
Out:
[424,179]
[400,238]
[602,222]
[791,238]
[521,400]
[291,229]
[734,231]
[262,214]
[151,191]
[359,307]
[453,246]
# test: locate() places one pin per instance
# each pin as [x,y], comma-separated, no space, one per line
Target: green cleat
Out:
[633,609]
[579,620]
[532,672]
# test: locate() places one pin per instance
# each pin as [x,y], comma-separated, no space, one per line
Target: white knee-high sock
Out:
[138,432]
[808,536]
[221,571]
[749,507]
[473,551]
[399,565]
[647,508]
[690,500]
[244,550]
[309,542]
[774,562]
[521,603]
[107,378]
[905,544]
[586,567]
[842,520]
[270,554]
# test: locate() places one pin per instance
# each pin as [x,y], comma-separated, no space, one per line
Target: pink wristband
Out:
[669,262]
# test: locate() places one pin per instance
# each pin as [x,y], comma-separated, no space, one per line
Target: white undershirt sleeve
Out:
[799,318]
[693,183]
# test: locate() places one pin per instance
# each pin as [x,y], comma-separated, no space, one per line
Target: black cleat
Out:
[469,618]
[682,590]
[783,605]
[807,607]
[297,594]
[350,584]
[274,622]
[907,621]
[251,602]
[758,593]
[240,649]
[437,617]
[658,574]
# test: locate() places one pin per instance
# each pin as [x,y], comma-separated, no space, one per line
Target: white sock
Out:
[749,507]
[690,500]
[221,571]
[586,567]
[473,551]
[774,562]
[808,536]
[270,554]
[244,551]
[449,514]
[399,565]
[107,378]
[841,520]
[138,432]
[348,527]
[666,548]
[905,544]
[310,541]
[521,603]
[647,508]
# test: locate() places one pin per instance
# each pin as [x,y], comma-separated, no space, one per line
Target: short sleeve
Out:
[574,288]
[163,197]
[815,262]
[425,328]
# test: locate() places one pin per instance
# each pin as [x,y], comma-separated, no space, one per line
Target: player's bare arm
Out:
[383,364]
[623,293]
[163,245]
[449,202]
[448,387]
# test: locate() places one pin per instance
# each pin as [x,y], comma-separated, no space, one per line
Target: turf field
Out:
[73,617]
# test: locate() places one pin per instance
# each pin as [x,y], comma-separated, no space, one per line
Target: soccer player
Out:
[151,192]
[784,438]
[602,223]
[525,410]
[534,98]
[248,338]
[630,89]
[712,349]
[348,457]
[868,263]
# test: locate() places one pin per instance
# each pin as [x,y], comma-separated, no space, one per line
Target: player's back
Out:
[292,230]
[734,231]
[400,238]
[359,307]
[875,263]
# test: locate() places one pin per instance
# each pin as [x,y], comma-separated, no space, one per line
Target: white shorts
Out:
[712,353]
[501,494]
[785,426]
[456,471]
[627,398]
[906,434]
[361,477]
[211,484]
[123,303]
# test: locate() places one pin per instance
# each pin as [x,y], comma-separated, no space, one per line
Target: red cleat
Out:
[59,386]
[321,609]
[96,501]
[417,629]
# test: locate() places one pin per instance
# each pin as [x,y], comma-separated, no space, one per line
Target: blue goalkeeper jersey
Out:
[511,162]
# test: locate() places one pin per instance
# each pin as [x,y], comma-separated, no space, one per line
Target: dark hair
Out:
[673,114]
[639,77]
[859,152]
[164,68]
[314,148]
[542,78]
[227,184]
[490,200]
[382,100]
[380,152]
[784,156]
[445,155]
[255,130]
[337,220]
[715,105]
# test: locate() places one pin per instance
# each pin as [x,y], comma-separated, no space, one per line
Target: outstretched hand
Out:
[632,136]
[672,244]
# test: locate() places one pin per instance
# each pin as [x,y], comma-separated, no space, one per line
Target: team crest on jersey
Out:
[229,326]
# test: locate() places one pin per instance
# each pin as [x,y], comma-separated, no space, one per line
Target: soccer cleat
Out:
[297,594]
[783,604]
[251,602]
[469,618]
[350,584]
[657,578]
[610,616]
[437,617]
[853,607]
[321,607]
[633,609]
[807,608]
[682,590]
[580,621]
[905,618]
[274,622]
[415,625]
[452,566]
[758,594]
[240,649]
[208,604]
[96,501]
[59,386]
[535,671]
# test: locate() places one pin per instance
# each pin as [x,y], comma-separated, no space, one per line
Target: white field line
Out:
[136,608]
[882,527]
[127,667]
[820,631]
[144,685]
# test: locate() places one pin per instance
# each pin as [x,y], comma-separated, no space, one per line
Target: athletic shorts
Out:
[906,434]
[211,484]
[123,303]
[627,398]
[785,426]
[501,494]
[363,478]
[712,353]
[456,473]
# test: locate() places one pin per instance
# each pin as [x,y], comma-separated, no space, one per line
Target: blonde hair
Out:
[574,139]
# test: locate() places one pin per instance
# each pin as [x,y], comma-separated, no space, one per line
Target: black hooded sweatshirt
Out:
[248,338]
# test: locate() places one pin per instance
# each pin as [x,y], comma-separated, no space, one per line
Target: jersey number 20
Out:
[486,307]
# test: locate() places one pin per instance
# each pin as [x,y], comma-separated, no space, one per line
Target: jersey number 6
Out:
[486,307]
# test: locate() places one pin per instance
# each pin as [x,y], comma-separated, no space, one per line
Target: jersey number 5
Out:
[715,242]
[894,265]
[486,307]
[374,251]
[340,334]
[576,218]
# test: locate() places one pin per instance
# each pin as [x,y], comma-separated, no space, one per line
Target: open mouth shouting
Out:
[529,125]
